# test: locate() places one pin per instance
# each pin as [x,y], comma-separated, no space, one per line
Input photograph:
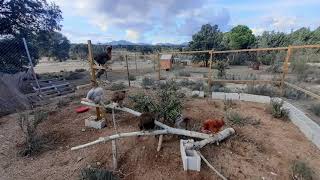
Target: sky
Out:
[174,21]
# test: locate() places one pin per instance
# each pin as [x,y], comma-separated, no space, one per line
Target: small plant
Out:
[118,86]
[228,103]
[62,103]
[198,86]
[144,103]
[147,81]
[132,77]
[97,174]
[186,83]
[315,108]
[72,75]
[184,73]
[28,124]
[236,118]
[301,171]
[221,66]
[277,109]
[266,90]
[80,70]
[293,94]
[275,68]
[301,68]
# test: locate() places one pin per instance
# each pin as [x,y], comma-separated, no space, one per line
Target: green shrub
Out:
[118,86]
[80,70]
[277,109]
[236,118]
[301,171]
[221,67]
[186,83]
[275,68]
[301,69]
[147,81]
[198,86]
[132,77]
[28,124]
[228,103]
[72,75]
[97,174]
[184,73]
[315,108]
[144,103]
[264,89]
[293,94]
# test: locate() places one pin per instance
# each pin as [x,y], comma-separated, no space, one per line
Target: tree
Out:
[301,36]
[28,19]
[240,37]
[209,37]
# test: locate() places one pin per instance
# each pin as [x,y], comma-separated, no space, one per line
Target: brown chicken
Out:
[212,125]
[146,121]
[118,97]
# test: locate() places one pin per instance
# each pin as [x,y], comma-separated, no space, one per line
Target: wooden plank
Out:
[303,90]
[210,71]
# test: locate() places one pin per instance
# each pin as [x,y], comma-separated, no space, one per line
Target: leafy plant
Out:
[198,86]
[186,83]
[293,94]
[118,86]
[236,118]
[221,66]
[147,81]
[144,103]
[277,109]
[301,171]
[28,125]
[315,108]
[266,90]
[184,73]
[132,77]
[97,174]
[228,103]
[301,68]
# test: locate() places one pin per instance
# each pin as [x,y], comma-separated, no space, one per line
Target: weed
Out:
[301,69]
[301,171]
[198,86]
[118,86]
[80,70]
[147,81]
[28,125]
[275,68]
[184,73]
[277,109]
[221,66]
[62,103]
[132,77]
[293,94]
[266,90]
[236,118]
[186,83]
[315,108]
[228,103]
[97,174]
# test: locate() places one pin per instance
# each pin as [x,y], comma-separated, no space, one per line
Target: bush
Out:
[301,68]
[265,90]
[186,83]
[144,103]
[228,103]
[198,86]
[132,77]
[300,170]
[275,68]
[28,125]
[72,75]
[315,108]
[184,73]
[118,86]
[79,70]
[236,118]
[221,67]
[277,109]
[147,81]
[97,174]
[293,94]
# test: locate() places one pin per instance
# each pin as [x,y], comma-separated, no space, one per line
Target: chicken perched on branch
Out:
[212,125]
[94,95]
[146,121]
[118,97]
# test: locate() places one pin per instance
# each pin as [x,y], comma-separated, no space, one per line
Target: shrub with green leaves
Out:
[28,124]
[118,86]
[315,108]
[221,66]
[186,83]
[132,77]
[236,118]
[184,73]
[147,81]
[97,174]
[301,171]
[277,109]
[301,69]
[144,103]
[263,89]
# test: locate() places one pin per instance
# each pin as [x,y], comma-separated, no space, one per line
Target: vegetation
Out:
[147,81]
[236,118]
[184,73]
[264,89]
[300,68]
[277,109]
[132,77]
[315,108]
[221,66]
[97,174]
[118,86]
[228,103]
[28,124]
[301,171]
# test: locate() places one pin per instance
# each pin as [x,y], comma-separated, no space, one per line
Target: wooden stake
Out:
[93,75]
[154,62]
[210,71]
[135,60]
[285,69]
[114,154]
[160,142]
[159,67]
[211,167]
[128,70]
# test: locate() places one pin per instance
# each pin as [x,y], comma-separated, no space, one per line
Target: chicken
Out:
[212,125]
[146,121]
[118,97]
[94,95]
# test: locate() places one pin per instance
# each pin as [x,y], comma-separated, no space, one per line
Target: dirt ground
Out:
[263,150]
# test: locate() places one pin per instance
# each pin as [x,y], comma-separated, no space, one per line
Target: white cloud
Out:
[257,31]
[132,35]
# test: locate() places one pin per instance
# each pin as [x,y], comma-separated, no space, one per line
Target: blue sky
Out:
[174,21]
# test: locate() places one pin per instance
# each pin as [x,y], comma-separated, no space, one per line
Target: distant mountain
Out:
[124,42]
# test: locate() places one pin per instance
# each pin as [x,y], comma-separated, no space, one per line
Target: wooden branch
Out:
[160,142]
[216,138]
[211,167]
[111,106]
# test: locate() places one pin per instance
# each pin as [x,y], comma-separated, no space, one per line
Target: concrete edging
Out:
[306,125]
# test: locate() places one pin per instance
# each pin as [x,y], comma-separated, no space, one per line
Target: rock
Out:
[98,163]
[83,129]
[198,93]
[79,159]
[88,166]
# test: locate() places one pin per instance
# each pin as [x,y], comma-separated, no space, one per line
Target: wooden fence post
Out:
[210,71]
[93,75]
[135,60]
[285,69]
[159,67]
[128,70]
[154,62]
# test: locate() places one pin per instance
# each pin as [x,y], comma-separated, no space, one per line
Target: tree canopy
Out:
[240,37]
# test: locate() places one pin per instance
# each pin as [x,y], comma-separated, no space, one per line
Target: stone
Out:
[92,123]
